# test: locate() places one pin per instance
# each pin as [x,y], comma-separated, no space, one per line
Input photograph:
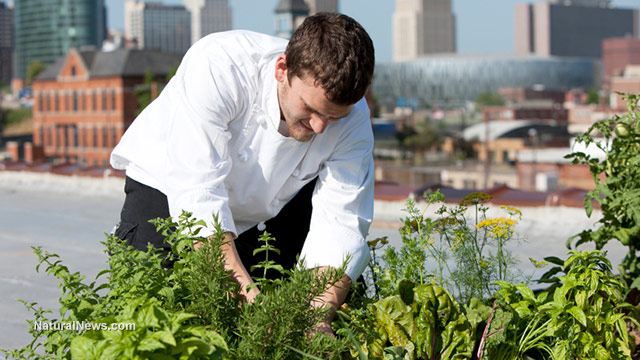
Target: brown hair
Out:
[337,52]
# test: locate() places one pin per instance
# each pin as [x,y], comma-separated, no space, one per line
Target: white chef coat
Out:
[210,143]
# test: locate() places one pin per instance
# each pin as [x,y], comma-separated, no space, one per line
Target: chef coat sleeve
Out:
[343,204]
[206,92]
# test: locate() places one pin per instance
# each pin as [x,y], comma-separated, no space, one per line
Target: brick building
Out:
[86,100]
[555,114]
[617,53]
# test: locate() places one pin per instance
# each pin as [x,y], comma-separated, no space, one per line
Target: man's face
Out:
[304,106]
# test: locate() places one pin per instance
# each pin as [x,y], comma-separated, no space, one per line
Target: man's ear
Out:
[281,68]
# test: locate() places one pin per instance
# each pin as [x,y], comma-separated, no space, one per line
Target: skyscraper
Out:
[6,44]
[289,15]
[422,27]
[155,26]
[208,16]
[316,6]
[575,28]
[45,30]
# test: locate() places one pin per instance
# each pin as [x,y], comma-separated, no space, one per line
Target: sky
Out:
[482,26]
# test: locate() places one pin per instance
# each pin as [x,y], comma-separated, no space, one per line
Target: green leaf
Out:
[404,288]
[150,344]
[554,260]
[579,315]
[165,336]
[82,348]
[581,299]
[526,292]
[602,353]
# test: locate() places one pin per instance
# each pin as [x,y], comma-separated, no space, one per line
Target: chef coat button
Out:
[261,226]
[275,202]
[243,156]
[296,172]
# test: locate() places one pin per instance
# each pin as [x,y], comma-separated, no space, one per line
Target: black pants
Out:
[289,227]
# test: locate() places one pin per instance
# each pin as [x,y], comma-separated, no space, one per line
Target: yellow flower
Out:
[512,211]
[499,227]
[538,264]
[475,199]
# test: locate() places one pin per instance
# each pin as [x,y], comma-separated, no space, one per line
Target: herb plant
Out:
[469,254]
[189,311]
[617,185]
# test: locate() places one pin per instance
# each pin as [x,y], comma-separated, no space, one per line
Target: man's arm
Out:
[332,299]
[238,272]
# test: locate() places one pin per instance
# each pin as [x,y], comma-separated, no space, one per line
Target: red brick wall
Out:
[101,105]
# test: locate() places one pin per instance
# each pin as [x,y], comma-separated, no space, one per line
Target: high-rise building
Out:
[289,15]
[316,6]
[155,26]
[6,44]
[45,30]
[575,28]
[422,27]
[208,16]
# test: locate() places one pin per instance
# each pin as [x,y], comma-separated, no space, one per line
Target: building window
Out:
[40,102]
[57,129]
[75,101]
[104,100]
[73,71]
[56,102]
[41,140]
[82,106]
[48,104]
[75,136]
[94,100]
[49,140]
[95,137]
[105,131]
[114,136]
[65,135]
[113,100]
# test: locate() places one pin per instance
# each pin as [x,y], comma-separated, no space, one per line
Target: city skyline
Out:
[479,28]
[489,32]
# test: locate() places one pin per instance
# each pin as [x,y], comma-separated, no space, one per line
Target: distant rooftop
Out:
[120,62]
[292,5]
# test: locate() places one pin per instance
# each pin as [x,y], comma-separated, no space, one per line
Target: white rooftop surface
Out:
[556,155]
[497,128]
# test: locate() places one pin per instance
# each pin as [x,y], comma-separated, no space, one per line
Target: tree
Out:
[34,69]
[593,97]
[489,99]
[152,87]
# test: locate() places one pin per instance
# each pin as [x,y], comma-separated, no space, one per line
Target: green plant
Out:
[189,311]
[469,255]
[417,322]
[158,334]
[581,316]
[617,185]
[15,116]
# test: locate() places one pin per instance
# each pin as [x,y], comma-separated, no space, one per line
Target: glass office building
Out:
[45,30]
[6,44]
[453,80]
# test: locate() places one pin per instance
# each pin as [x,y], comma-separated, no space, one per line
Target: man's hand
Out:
[238,271]
[323,327]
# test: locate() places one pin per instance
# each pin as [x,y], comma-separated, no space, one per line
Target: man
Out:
[249,120]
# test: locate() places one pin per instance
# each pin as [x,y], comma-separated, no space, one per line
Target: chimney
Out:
[13,148]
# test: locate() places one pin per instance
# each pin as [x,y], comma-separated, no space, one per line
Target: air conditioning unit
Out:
[546,181]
